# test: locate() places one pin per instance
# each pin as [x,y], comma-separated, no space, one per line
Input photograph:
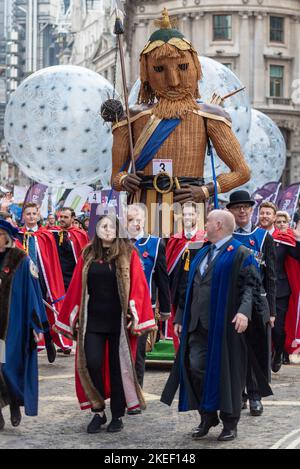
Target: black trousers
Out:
[252,389]
[140,358]
[197,344]
[278,332]
[95,350]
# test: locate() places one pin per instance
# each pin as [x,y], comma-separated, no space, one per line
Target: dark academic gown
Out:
[234,277]
[21,312]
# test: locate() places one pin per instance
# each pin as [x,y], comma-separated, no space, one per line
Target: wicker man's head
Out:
[170,70]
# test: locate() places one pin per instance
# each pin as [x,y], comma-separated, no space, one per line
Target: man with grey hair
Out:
[153,257]
[211,363]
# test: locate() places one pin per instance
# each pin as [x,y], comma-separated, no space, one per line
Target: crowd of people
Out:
[217,292]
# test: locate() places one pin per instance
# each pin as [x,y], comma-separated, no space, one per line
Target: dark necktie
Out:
[31,247]
[241,230]
[210,254]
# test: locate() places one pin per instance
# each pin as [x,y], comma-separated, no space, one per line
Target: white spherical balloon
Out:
[265,153]
[53,128]
[217,78]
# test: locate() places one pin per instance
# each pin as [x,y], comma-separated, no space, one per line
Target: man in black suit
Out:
[286,245]
[153,256]
[211,362]
[262,244]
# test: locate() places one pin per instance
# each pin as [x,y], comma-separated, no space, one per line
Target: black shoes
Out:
[276,362]
[15,415]
[51,352]
[286,359]
[115,426]
[67,351]
[2,421]
[204,427]
[134,412]
[256,408]
[95,425]
[227,435]
[244,405]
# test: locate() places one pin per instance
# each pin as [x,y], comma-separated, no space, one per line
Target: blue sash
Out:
[159,136]
[254,241]
[148,250]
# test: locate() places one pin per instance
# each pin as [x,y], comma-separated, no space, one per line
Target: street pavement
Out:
[61,425]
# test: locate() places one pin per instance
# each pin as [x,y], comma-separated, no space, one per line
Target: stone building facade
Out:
[258,39]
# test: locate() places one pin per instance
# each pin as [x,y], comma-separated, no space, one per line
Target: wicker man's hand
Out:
[131,183]
[189,193]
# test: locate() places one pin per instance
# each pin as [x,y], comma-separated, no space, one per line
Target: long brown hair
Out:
[120,246]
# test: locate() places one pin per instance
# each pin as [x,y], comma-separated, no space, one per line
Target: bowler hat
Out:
[10,230]
[239,197]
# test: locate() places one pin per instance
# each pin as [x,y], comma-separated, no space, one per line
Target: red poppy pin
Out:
[230,248]
[145,254]
[252,242]
[6,270]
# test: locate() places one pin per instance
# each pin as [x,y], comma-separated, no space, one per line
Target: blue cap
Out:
[10,230]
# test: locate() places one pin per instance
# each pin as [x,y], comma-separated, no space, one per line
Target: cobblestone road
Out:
[62,425]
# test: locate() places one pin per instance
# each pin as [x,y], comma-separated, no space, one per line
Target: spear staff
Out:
[117,7]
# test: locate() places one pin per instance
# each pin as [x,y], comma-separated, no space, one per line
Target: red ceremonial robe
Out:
[79,240]
[19,245]
[51,271]
[176,247]
[134,297]
[292,268]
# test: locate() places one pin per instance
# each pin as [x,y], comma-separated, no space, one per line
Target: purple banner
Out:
[116,205]
[269,192]
[35,194]
[288,199]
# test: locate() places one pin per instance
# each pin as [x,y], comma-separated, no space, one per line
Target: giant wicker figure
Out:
[169,123]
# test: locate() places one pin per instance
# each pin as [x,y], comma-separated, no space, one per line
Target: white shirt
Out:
[190,233]
[218,245]
[271,231]
[247,228]
[139,236]
[35,229]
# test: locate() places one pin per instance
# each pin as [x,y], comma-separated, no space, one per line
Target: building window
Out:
[222,27]
[276,81]
[228,65]
[276,29]
[66,5]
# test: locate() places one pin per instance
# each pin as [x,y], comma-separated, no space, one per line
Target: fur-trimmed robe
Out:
[134,296]
[21,312]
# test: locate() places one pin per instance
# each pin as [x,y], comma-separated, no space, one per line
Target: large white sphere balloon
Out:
[53,129]
[265,153]
[217,78]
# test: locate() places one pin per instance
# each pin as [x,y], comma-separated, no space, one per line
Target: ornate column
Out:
[139,40]
[296,36]
[185,28]
[260,74]
[245,51]
[198,33]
